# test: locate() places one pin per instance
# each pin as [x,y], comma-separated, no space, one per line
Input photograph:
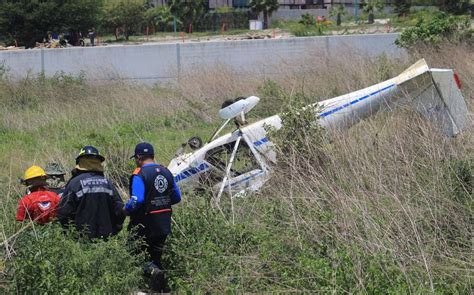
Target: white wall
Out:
[162,62]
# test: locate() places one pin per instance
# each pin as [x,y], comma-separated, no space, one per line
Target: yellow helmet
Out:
[33,172]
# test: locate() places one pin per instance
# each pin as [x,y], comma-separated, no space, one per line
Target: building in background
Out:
[349,3]
[284,4]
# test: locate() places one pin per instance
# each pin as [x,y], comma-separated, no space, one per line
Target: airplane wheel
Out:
[195,142]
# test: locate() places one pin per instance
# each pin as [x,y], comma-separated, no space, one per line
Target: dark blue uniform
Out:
[153,191]
[91,202]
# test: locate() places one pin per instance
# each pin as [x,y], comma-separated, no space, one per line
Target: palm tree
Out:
[338,11]
[370,6]
[265,6]
[160,16]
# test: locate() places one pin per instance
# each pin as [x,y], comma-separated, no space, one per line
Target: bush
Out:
[436,29]
[307,19]
[456,6]
[56,262]
[300,30]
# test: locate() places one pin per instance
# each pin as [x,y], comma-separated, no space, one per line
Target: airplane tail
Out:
[435,93]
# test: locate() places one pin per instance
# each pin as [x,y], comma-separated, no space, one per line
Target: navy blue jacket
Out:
[92,203]
[153,191]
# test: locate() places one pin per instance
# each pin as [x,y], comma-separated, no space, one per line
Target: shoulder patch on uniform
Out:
[136,171]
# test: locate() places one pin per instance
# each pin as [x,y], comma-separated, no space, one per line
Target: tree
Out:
[402,7]
[129,15]
[160,16]
[28,21]
[188,11]
[338,11]
[455,6]
[267,7]
[370,6]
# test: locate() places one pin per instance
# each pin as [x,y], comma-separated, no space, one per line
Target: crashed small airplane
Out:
[242,160]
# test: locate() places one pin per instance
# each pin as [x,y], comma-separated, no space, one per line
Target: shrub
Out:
[298,125]
[56,262]
[300,30]
[307,19]
[441,27]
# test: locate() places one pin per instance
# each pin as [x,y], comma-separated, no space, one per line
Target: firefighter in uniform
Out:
[153,191]
[39,204]
[90,201]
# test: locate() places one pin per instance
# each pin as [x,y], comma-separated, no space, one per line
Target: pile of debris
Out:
[53,43]
[8,47]
[251,36]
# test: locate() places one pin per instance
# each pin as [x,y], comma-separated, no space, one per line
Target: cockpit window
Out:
[244,160]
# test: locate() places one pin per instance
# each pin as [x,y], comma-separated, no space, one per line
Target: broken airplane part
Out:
[242,160]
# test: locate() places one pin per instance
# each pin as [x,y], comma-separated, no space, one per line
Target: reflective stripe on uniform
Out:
[93,190]
[159,211]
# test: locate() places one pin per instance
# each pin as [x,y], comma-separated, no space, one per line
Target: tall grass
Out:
[383,207]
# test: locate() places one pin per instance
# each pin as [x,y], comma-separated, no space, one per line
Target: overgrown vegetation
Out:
[456,6]
[436,29]
[74,265]
[385,207]
[304,27]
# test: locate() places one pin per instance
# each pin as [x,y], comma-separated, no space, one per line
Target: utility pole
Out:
[174,24]
[356,10]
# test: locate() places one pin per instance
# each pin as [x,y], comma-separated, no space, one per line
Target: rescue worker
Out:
[90,201]
[56,181]
[153,191]
[92,34]
[40,204]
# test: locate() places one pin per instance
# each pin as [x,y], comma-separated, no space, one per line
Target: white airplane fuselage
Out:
[432,92]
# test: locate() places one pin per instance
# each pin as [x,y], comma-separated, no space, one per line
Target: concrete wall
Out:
[295,14]
[163,62]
